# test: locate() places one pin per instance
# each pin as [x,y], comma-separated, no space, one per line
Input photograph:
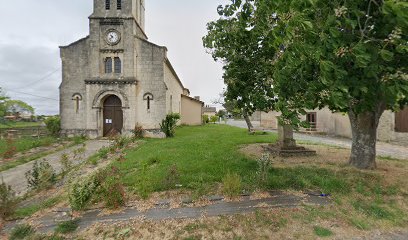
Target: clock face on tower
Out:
[112,37]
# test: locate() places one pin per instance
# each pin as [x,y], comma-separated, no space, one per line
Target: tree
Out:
[230,42]
[350,56]
[17,106]
[3,99]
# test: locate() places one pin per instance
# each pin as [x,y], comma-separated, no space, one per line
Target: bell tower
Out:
[120,9]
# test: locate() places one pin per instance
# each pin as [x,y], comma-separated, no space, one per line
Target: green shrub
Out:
[67,227]
[121,142]
[214,119]
[168,125]
[105,185]
[206,119]
[112,191]
[66,163]
[232,185]
[53,125]
[7,201]
[81,192]
[21,232]
[42,176]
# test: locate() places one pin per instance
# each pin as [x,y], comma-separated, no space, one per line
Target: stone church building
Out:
[115,79]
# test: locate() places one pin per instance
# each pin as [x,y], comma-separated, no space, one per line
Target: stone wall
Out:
[338,124]
[174,89]
[191,111]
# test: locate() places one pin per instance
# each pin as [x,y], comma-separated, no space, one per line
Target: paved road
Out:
[383,149]
[15,177]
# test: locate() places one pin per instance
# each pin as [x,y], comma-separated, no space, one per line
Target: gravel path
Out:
[15,177]
[383,149]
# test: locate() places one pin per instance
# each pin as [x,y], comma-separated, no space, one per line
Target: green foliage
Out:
[222,114]
[17,106]
[21,232]
[24,144]
[28,211]
[349,56]
[81,192]
[322,232]
[206,119]
[7,201]
[105,185]
[213,148]
[112,191]
[66,163]
[67,227]
[168,125]
[42,175]
[53,125]
[232,185]
[3,99]
[214,119]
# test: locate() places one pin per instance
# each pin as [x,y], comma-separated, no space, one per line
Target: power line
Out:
[43,78]
[29,94]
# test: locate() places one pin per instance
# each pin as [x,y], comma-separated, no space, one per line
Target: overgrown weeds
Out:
[7,201]
[42,176]
[232,185]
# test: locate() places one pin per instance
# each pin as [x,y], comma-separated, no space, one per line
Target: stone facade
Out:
[142,78]
[338,124]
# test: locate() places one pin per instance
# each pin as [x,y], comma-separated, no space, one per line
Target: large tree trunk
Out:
[248,121]
[364,129]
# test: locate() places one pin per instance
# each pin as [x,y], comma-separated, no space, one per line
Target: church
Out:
[115,79]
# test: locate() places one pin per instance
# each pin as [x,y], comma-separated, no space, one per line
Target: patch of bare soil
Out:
[325,155]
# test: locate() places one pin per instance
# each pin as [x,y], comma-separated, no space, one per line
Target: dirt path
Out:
[15,177]
[383,149]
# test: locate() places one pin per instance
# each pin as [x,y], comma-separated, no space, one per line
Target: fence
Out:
[23,132]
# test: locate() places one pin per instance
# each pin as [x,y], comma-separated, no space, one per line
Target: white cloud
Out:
[31,32]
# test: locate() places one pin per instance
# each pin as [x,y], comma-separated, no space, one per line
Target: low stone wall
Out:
[23,132]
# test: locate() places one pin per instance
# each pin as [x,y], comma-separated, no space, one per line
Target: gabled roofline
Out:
[74,43]
[174,72]
[202,103]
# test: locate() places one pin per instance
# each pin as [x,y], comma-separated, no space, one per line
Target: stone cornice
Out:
[112,50]
[100,81]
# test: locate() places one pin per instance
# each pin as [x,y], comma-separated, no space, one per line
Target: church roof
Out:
[76,42]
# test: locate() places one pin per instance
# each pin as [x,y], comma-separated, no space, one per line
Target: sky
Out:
[31,32]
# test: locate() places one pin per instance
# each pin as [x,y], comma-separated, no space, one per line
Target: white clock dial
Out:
[113,37]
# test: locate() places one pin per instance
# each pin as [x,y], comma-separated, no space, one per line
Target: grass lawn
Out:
[27,143]
[200,156]
[19,124]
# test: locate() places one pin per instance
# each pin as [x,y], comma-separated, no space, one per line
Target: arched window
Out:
[77,98]
[148,97]
[107,4]
[118,65]
[119,5]
[108,65]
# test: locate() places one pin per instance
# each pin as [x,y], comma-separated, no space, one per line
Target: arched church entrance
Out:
[112,116]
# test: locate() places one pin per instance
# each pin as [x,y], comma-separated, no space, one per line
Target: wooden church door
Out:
[112,116]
